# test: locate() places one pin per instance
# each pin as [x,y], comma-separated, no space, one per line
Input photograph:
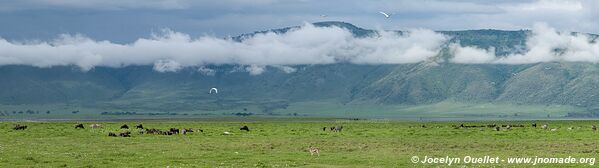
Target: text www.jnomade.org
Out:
[497,160]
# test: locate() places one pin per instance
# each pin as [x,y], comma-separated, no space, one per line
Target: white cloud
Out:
[167,66]
[255,69]
[104,4]
[286,69]
[206,71]
[171,51]
[545,44]
[471,54]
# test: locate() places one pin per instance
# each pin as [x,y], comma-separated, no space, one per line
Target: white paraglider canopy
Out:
[213,90]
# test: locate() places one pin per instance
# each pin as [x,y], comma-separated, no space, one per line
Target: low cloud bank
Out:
[308,44]
[545,44]
[171,51]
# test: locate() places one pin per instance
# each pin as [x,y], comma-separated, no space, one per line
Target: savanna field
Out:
[285,143]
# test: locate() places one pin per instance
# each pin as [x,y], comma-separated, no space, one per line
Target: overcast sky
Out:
[124,21]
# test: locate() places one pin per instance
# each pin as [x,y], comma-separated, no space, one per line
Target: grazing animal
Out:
[508,127]
[125,134]
[139,126]
[324,128]
[245,127]
[152,131]
[227,133]
[338,128]
[112,134]
[570,128]
[125,126]
[497,128]
[554,129]
[174,131]
[594,127]
[94,126]
[185,131]
[79,126]
[20,127]
[423,126]
[544,126]
[314,150]
[534,125]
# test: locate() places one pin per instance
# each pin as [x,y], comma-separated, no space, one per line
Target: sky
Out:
[176,34]
[124,21]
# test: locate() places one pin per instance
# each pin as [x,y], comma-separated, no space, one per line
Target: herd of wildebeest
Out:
[510,126]
[338,128]
[171,131]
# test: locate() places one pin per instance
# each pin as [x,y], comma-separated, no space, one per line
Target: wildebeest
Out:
[174,131]
[185,130]
[324,128]
[125,134]
[20,127]
[423,126]
[79,126]
[496,128]
[245,127]
[534,125]
[139,126]
[153,131]
[125,126]
[95,126]
[111,134]
[594,127]
[338,128]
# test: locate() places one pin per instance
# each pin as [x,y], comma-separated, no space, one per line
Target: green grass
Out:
[284,143]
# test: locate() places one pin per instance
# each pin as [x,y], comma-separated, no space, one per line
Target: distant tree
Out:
[48,112]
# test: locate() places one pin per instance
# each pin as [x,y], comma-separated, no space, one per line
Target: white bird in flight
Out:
[213,89]
[386,15]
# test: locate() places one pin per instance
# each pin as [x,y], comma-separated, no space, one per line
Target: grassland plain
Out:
[284,143]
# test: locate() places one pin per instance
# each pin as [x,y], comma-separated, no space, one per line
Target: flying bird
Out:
[213,89]
[386,15]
